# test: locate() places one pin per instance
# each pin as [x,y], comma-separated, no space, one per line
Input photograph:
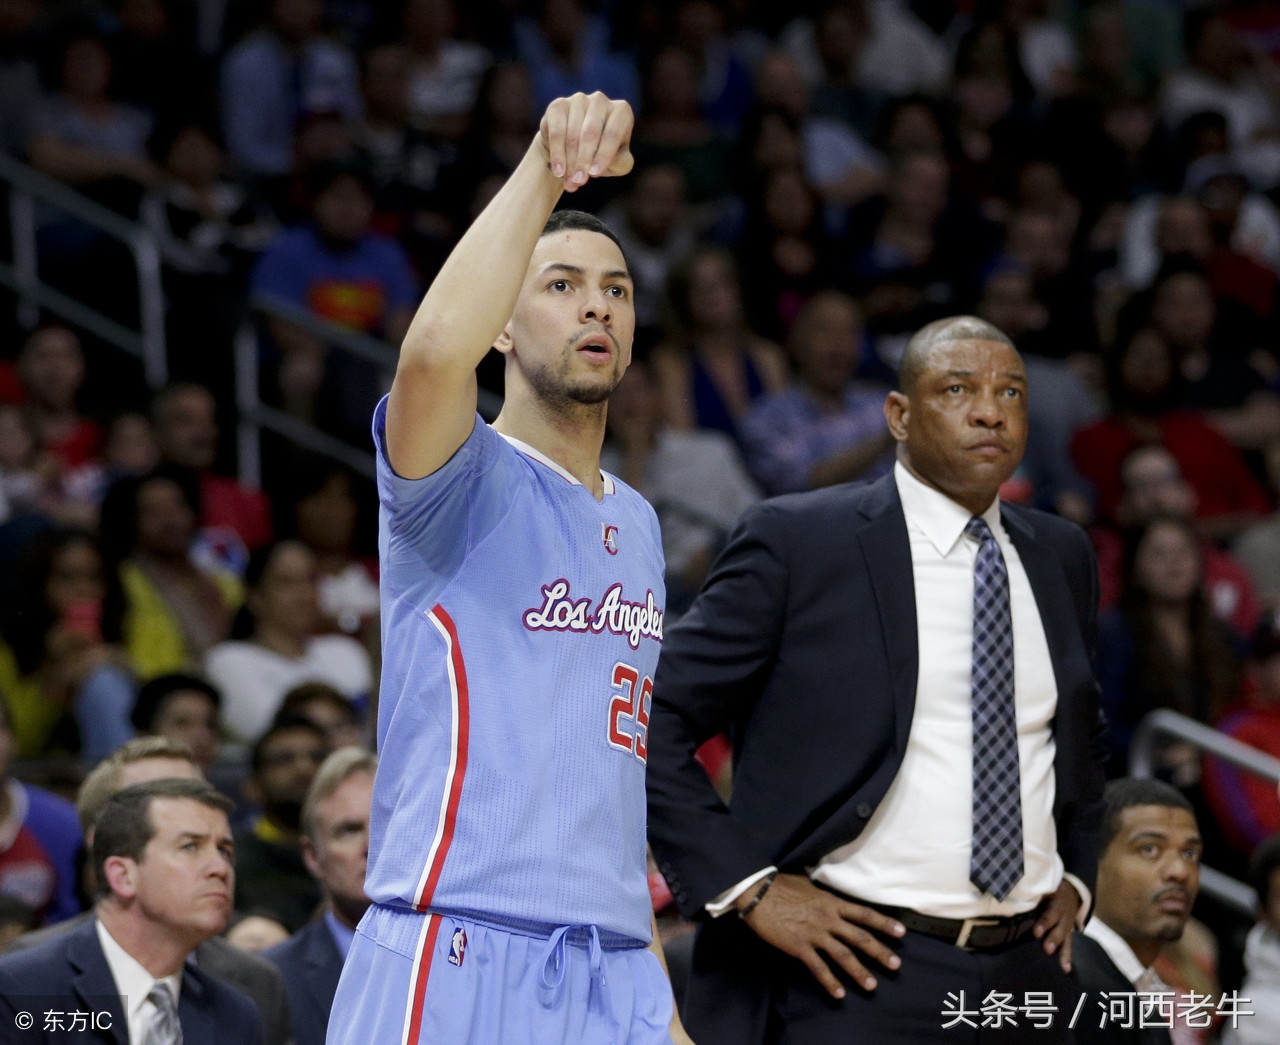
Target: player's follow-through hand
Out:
[587,136]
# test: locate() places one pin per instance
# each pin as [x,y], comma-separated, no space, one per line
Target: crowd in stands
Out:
[814,182]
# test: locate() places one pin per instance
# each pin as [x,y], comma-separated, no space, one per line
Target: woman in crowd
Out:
[67,688]
[1163,646]
[710,375]
[173,609]
[325,518]
[274,646]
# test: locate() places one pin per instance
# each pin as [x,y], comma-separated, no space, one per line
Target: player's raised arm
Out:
[433,397]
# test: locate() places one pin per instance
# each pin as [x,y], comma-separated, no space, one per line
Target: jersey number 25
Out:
[635,695]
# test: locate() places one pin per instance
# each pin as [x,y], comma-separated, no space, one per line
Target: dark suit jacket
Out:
[1097,974]
[310,963]
[248,973]
[802,646]
[69,972]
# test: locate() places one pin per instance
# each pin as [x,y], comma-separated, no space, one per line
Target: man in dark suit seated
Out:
[158,758]
[903,667]
[164,859]
[1148,877]
[335,846]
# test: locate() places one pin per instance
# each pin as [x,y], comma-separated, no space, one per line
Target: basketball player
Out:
[522,610]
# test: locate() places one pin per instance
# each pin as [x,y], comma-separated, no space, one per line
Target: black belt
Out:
[970,934]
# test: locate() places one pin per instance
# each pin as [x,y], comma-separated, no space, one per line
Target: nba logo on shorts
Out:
[610,536]
[458,948]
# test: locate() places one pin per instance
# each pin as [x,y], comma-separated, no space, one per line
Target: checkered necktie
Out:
[995,863]
[165,1028]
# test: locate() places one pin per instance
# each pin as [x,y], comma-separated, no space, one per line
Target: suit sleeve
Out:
[715,662]
[1079,844]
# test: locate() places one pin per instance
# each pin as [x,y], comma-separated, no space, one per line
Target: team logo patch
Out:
[458,948]
[609,534]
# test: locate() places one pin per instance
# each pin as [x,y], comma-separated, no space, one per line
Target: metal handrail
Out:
[26,186]
[1142,751]
[254,416]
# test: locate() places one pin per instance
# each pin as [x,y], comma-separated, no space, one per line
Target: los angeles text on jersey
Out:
[561,612]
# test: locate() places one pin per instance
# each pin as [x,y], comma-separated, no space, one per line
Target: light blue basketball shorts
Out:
[432,979]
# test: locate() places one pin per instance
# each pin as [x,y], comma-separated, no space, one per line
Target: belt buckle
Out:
[967,927]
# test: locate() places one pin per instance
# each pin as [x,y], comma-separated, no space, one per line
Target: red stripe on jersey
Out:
[457,759]
[422,971]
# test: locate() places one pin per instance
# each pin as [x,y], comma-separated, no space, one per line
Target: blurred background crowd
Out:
[814,181]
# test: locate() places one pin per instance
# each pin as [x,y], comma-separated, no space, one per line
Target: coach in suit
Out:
[903,668]
[163,854]
[335,847]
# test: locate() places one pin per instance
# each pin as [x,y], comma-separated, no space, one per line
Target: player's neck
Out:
[571,438]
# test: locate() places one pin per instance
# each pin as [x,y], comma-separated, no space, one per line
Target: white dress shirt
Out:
[1120,953]
[914,852]
[133,984]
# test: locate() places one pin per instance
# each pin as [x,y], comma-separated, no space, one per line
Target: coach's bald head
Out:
[928,337]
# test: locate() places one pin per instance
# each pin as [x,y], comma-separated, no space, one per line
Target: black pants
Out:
[914,1004]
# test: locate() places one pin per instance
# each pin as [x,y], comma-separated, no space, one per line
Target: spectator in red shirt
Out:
[51,366]
[185,425]
[1146,412]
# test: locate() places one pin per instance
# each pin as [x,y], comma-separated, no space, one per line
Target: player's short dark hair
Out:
[124,826]
[1265,859]
[570,220]
[1127,792]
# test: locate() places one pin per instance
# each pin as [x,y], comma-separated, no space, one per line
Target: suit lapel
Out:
[194,1012]
[92,982]
[886,550]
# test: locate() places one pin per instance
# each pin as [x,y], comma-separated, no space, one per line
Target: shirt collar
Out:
[564,473]
[132,979]
[342,936]
[936,515]
[1129,964]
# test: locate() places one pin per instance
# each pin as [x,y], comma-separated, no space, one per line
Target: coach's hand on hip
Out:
[587,136]
[1055,925]
[806,922]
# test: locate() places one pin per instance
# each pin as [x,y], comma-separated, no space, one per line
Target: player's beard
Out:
[555,386]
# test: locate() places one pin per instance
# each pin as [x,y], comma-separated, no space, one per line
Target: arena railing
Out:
[256,416]
[1163,724]
[28,189]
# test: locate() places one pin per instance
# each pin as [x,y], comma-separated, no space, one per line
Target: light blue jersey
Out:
[521,624]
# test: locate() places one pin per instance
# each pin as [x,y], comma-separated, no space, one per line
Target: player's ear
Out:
[503,344]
